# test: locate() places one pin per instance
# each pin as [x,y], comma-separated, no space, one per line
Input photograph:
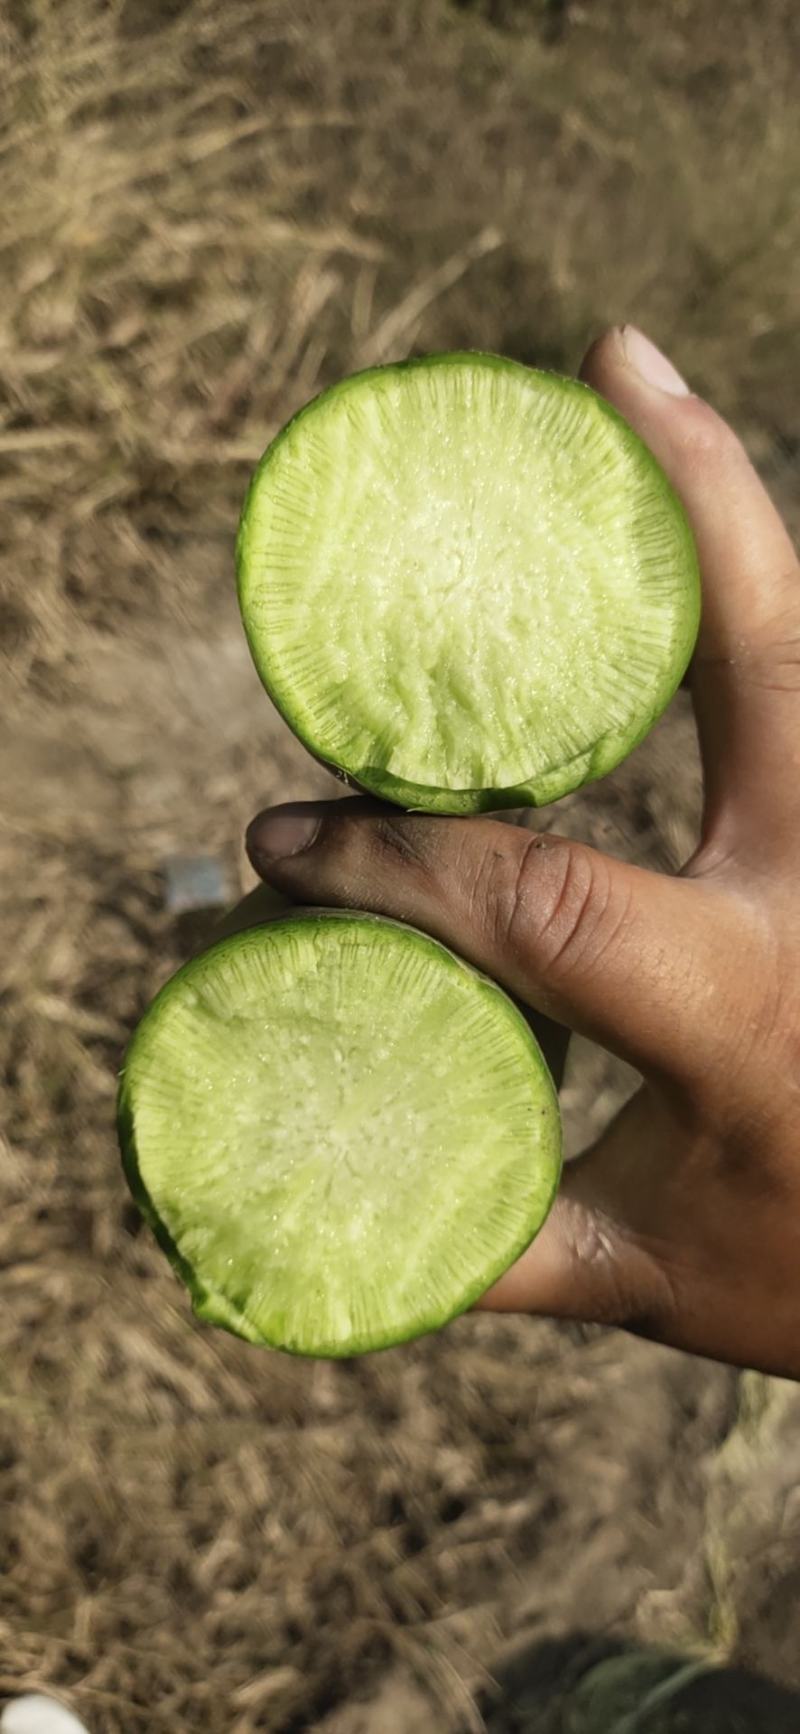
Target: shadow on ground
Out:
[583,1684]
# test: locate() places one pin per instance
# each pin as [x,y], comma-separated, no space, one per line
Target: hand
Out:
[683,1221]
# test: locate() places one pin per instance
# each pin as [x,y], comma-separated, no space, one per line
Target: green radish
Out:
[466,584]
[340,1133]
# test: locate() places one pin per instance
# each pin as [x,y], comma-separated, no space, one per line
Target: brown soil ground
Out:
[206,212]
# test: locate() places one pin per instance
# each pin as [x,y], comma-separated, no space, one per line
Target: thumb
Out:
[615,952]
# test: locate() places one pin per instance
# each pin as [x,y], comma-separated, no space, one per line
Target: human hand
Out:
[682,1222]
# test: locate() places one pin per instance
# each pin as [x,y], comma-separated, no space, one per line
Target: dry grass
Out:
[207,212]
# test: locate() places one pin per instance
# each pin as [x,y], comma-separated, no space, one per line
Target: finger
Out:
[589,1261]
[620,954]
[746,672]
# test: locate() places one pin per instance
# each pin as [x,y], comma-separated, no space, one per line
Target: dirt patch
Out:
[206,213]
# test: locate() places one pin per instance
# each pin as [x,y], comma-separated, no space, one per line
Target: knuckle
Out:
[566,908]
[401,841]
[491,902]
[706,438]
[618,1280]
[374,860]
[773,660]
[571,908]
[497,884]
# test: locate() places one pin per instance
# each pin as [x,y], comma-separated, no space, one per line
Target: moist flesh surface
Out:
[341,1133]
[462,576]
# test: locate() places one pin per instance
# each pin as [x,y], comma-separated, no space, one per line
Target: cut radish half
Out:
[466,584]
[340,1133]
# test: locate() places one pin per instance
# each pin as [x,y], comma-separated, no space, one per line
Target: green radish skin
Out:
[419,1231]
[602,572]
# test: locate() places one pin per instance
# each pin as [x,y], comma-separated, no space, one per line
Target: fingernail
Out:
[650,364]
[282,831]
